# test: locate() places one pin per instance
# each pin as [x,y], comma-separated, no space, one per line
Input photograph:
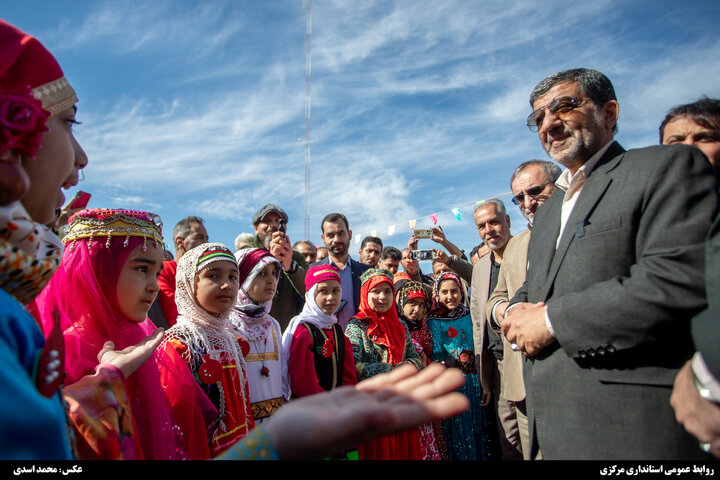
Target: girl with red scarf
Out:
[381,342]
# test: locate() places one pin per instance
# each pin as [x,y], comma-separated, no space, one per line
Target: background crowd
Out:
[590,335]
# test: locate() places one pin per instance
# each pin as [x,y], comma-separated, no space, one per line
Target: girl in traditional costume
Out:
[470,435]
[32,421]
[319,356]
[259,332]
[207,287]
[412,306]
[380,343]
[37,108]
[102,292]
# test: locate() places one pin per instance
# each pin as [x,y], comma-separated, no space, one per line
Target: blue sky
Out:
[418,106]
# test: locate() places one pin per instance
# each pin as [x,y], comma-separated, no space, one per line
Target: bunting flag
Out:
[456,211]
[434,217]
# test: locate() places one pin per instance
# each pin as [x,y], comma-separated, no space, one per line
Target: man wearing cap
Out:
[291,288]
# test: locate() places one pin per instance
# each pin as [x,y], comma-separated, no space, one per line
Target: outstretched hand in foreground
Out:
[327,423]
[129,359]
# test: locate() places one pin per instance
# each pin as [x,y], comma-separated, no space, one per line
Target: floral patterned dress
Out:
[469,435]
[372,359]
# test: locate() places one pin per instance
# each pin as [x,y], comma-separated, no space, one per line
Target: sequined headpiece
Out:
[101,222]
[374,272]
[413,289]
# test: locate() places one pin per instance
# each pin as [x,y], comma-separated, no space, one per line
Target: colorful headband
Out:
[215,253]
[321,273]
[374,272]
[448,276]
[101,222]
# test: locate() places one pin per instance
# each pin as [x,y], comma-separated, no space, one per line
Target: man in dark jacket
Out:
[336,235]
[290,295]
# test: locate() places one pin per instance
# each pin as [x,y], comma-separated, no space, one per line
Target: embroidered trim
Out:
[223,435]
[258,357]
[265,408]
[109,223]
[56,96]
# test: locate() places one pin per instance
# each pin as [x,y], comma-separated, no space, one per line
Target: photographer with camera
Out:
[411,256]
[270,225]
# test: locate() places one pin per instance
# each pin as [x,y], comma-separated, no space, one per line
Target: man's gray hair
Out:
[499,206]
[242,240]
[182,228]
[552,171]
[593,83]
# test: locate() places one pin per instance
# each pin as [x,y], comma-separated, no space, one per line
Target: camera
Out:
[421,254]
[422,233]
[282,226]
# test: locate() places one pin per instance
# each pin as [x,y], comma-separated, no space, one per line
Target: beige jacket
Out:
[510,279]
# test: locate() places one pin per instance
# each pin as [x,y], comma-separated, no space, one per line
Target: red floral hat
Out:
[32,88]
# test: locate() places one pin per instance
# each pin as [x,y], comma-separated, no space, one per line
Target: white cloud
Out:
[416,106]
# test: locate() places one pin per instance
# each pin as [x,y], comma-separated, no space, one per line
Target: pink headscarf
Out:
[84,293]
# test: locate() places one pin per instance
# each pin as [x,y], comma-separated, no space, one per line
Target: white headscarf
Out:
[310,313]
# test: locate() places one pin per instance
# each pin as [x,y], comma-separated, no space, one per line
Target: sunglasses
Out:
[560,107]
[531,192]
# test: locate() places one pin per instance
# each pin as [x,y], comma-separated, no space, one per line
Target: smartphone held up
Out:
[80,200]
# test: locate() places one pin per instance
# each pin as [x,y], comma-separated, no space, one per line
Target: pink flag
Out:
[433,217]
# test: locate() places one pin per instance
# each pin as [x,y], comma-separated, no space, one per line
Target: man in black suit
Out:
[336,236]
[615,275]
[696,392]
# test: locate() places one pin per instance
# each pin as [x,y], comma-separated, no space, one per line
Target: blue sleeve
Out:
[32,427]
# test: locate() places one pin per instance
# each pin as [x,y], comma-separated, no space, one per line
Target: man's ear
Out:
[507,217]
[255,228]
[349,235]
[611,112]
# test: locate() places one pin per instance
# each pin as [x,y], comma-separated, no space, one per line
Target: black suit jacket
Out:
[706,326]
[357,269]
[620,289]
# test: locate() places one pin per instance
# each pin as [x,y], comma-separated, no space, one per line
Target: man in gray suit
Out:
[615,275]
